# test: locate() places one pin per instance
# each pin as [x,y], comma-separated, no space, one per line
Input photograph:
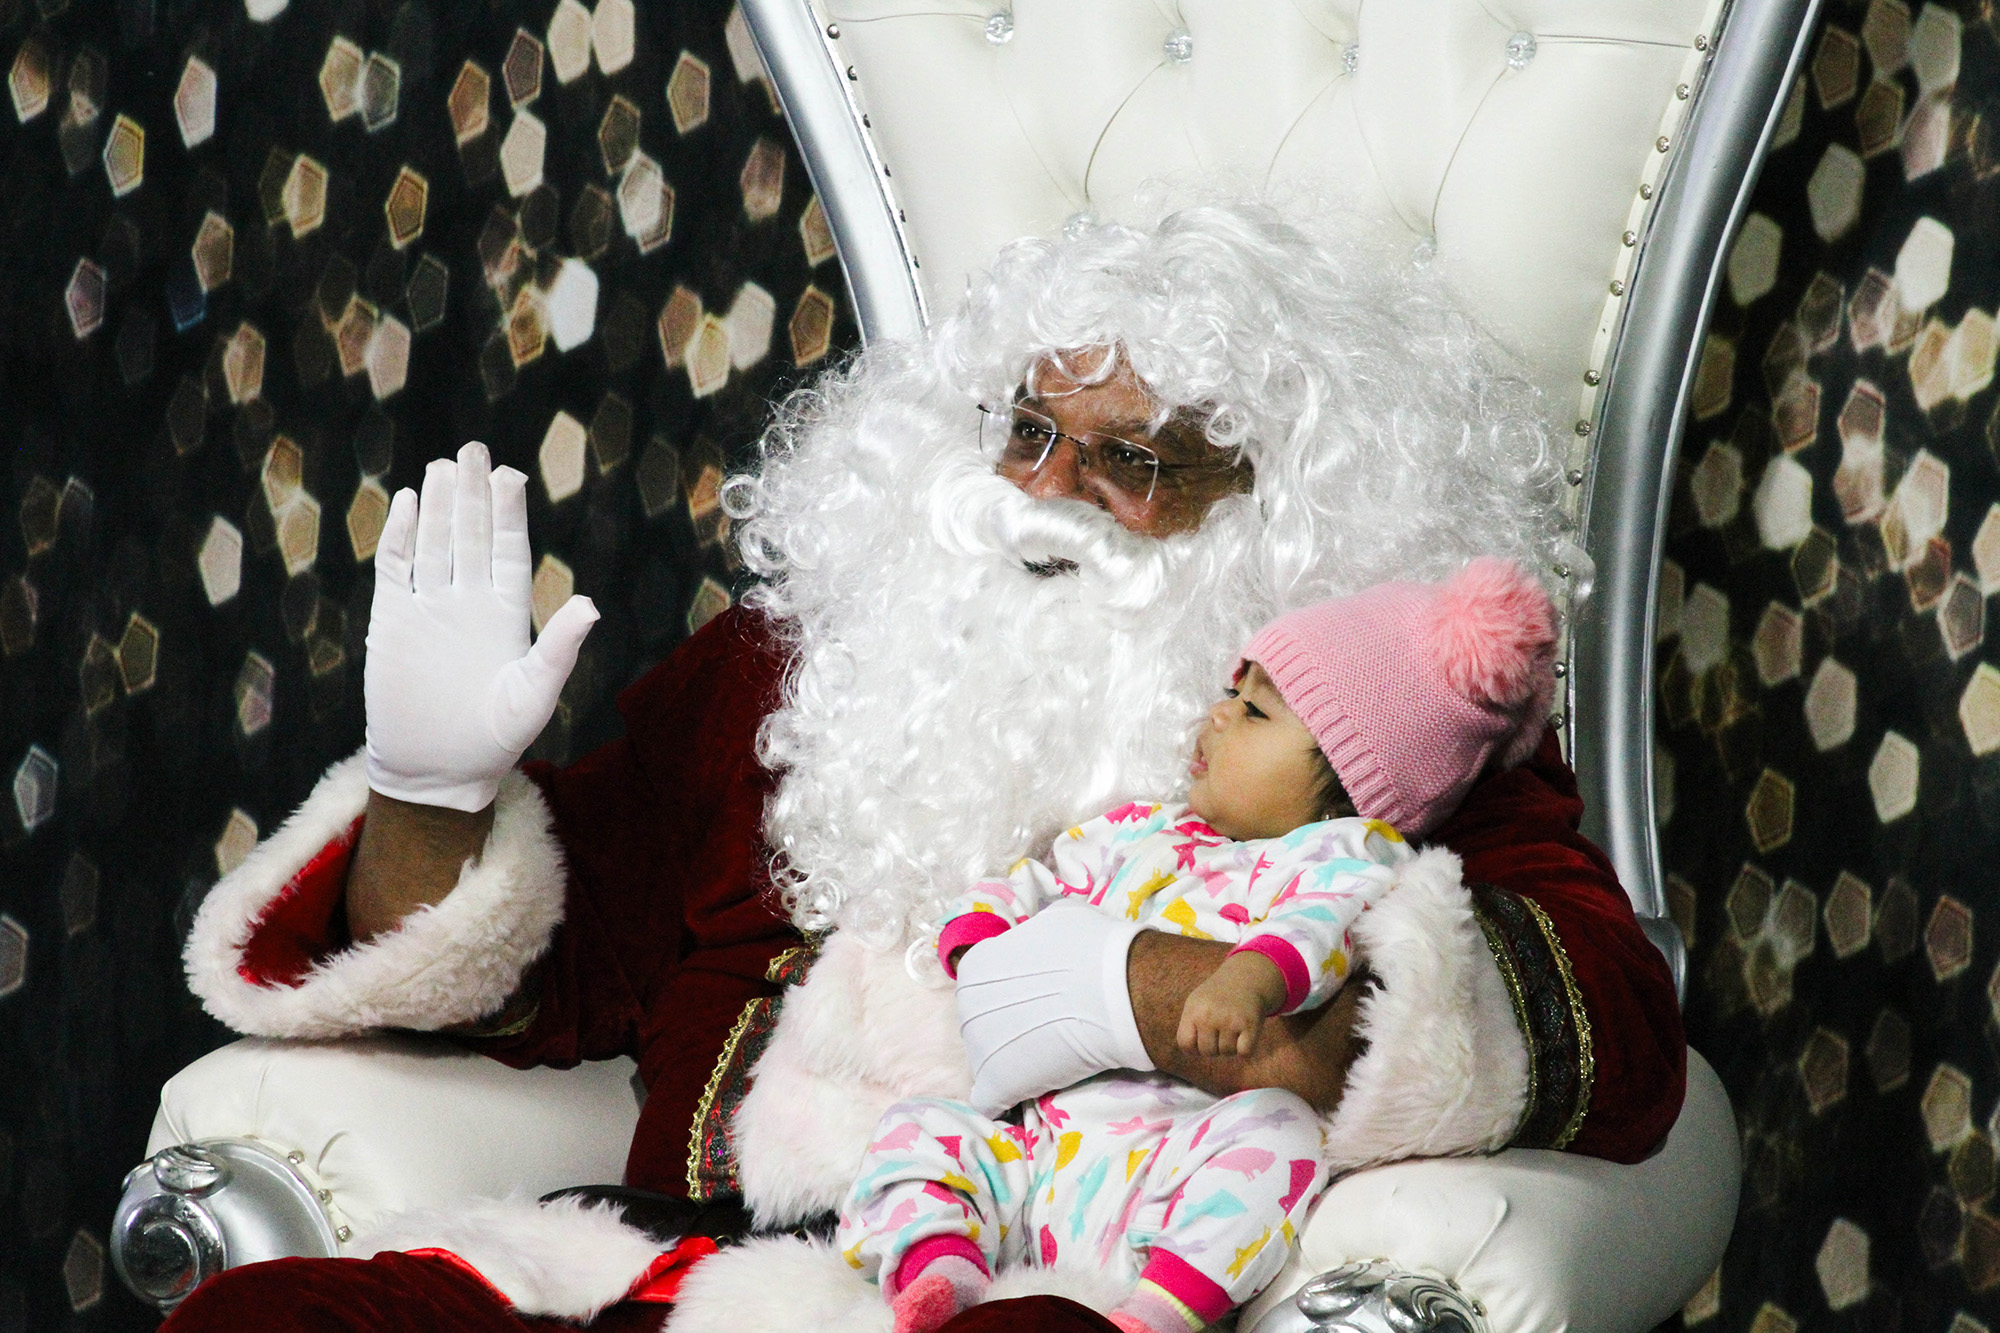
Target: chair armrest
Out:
[1539,1241]
[385,1124]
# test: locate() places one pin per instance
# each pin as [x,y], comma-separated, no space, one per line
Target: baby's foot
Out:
[946,1286]
[1153,1311]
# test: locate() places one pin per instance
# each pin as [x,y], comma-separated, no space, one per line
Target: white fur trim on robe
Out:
[783,1282]
[860,1034]
[1446,1069]
[455,962]
[567,1258]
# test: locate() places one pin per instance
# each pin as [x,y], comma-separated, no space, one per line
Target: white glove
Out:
[454,692]
[1044,1005]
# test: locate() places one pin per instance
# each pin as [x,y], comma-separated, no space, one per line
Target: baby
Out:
[1352,724]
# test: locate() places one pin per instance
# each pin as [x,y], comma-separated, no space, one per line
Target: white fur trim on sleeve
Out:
[859,1035]
[454,962]
[565,1258]
[1446,1069]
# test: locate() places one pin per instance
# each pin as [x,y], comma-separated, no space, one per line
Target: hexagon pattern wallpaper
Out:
[259,262]
[1828,701]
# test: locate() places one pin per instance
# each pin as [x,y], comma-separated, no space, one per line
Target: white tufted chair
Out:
[1575,167]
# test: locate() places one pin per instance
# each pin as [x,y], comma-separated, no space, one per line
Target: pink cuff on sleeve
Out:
[971,928]
[1298,979]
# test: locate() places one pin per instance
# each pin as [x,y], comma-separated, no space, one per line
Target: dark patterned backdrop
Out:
[258,265]
[1829,702]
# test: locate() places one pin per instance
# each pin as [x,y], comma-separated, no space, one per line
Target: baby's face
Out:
[1256,767]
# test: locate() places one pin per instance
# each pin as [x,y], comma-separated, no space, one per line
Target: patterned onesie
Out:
[1141,1173]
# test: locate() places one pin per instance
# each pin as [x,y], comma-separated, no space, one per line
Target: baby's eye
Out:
[1232,693]
[1252,710]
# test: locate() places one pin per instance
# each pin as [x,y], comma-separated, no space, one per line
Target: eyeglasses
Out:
[1019,440]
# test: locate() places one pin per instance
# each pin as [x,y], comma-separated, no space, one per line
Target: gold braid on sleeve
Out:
[1562,1064]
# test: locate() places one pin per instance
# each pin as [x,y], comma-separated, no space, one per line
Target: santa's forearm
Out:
[1308,1053]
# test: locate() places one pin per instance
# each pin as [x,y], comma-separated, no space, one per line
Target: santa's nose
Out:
[1060,477]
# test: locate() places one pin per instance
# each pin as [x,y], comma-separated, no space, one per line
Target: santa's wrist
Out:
[1123,1024]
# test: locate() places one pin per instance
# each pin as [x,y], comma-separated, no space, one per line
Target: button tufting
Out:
[833,31]
[1645,192]
[1000,27]
[1576,476]
[1179,46]
[1350,57]
[1520,50]
[1591,377]
[1583,428]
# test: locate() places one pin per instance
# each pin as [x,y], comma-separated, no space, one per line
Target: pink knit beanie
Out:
[1414,690]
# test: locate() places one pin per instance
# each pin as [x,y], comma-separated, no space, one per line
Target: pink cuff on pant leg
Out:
[1186,1284]
[925,1252]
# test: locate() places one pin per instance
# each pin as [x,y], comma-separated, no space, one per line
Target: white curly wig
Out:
[949,709]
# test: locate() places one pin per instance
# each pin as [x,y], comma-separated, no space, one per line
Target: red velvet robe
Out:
[670,928]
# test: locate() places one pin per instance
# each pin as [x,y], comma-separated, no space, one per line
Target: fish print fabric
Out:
[1293,899]
[1127,1172]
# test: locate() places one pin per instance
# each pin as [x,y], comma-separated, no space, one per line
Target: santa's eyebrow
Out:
[1116,426]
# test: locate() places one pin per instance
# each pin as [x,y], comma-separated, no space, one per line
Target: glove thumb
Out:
[525,691]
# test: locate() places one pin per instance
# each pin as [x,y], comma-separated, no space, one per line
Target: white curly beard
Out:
[978,670]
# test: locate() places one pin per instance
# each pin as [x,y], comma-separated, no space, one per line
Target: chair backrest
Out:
[1525,147]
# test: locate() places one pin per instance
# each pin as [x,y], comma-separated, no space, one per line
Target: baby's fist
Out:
[1213,1023]
[1224,1013]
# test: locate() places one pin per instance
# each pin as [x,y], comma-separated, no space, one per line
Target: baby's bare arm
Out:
[1225,1012]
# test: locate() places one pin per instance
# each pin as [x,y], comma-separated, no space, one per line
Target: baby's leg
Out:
[927,1211]
[1231,1187]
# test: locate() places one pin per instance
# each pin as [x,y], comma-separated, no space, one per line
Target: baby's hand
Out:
[1224,1014]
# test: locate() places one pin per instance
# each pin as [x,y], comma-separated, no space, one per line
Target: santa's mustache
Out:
[977,514]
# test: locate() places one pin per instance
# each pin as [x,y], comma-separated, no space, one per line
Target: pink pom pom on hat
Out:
[1415,689]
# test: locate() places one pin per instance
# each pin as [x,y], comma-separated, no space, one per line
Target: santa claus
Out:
[952,653]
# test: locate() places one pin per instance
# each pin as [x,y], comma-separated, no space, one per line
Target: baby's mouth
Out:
[1198,766]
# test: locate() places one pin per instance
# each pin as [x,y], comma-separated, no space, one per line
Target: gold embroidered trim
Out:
[775,973]
[707,1103]
[1511,977]
[478,1031]
[1586,1056]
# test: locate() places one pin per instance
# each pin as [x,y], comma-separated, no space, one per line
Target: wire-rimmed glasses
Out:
[1019,440]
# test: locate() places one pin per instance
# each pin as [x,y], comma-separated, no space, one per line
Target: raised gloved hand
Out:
[1044,1005]
[454,691]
